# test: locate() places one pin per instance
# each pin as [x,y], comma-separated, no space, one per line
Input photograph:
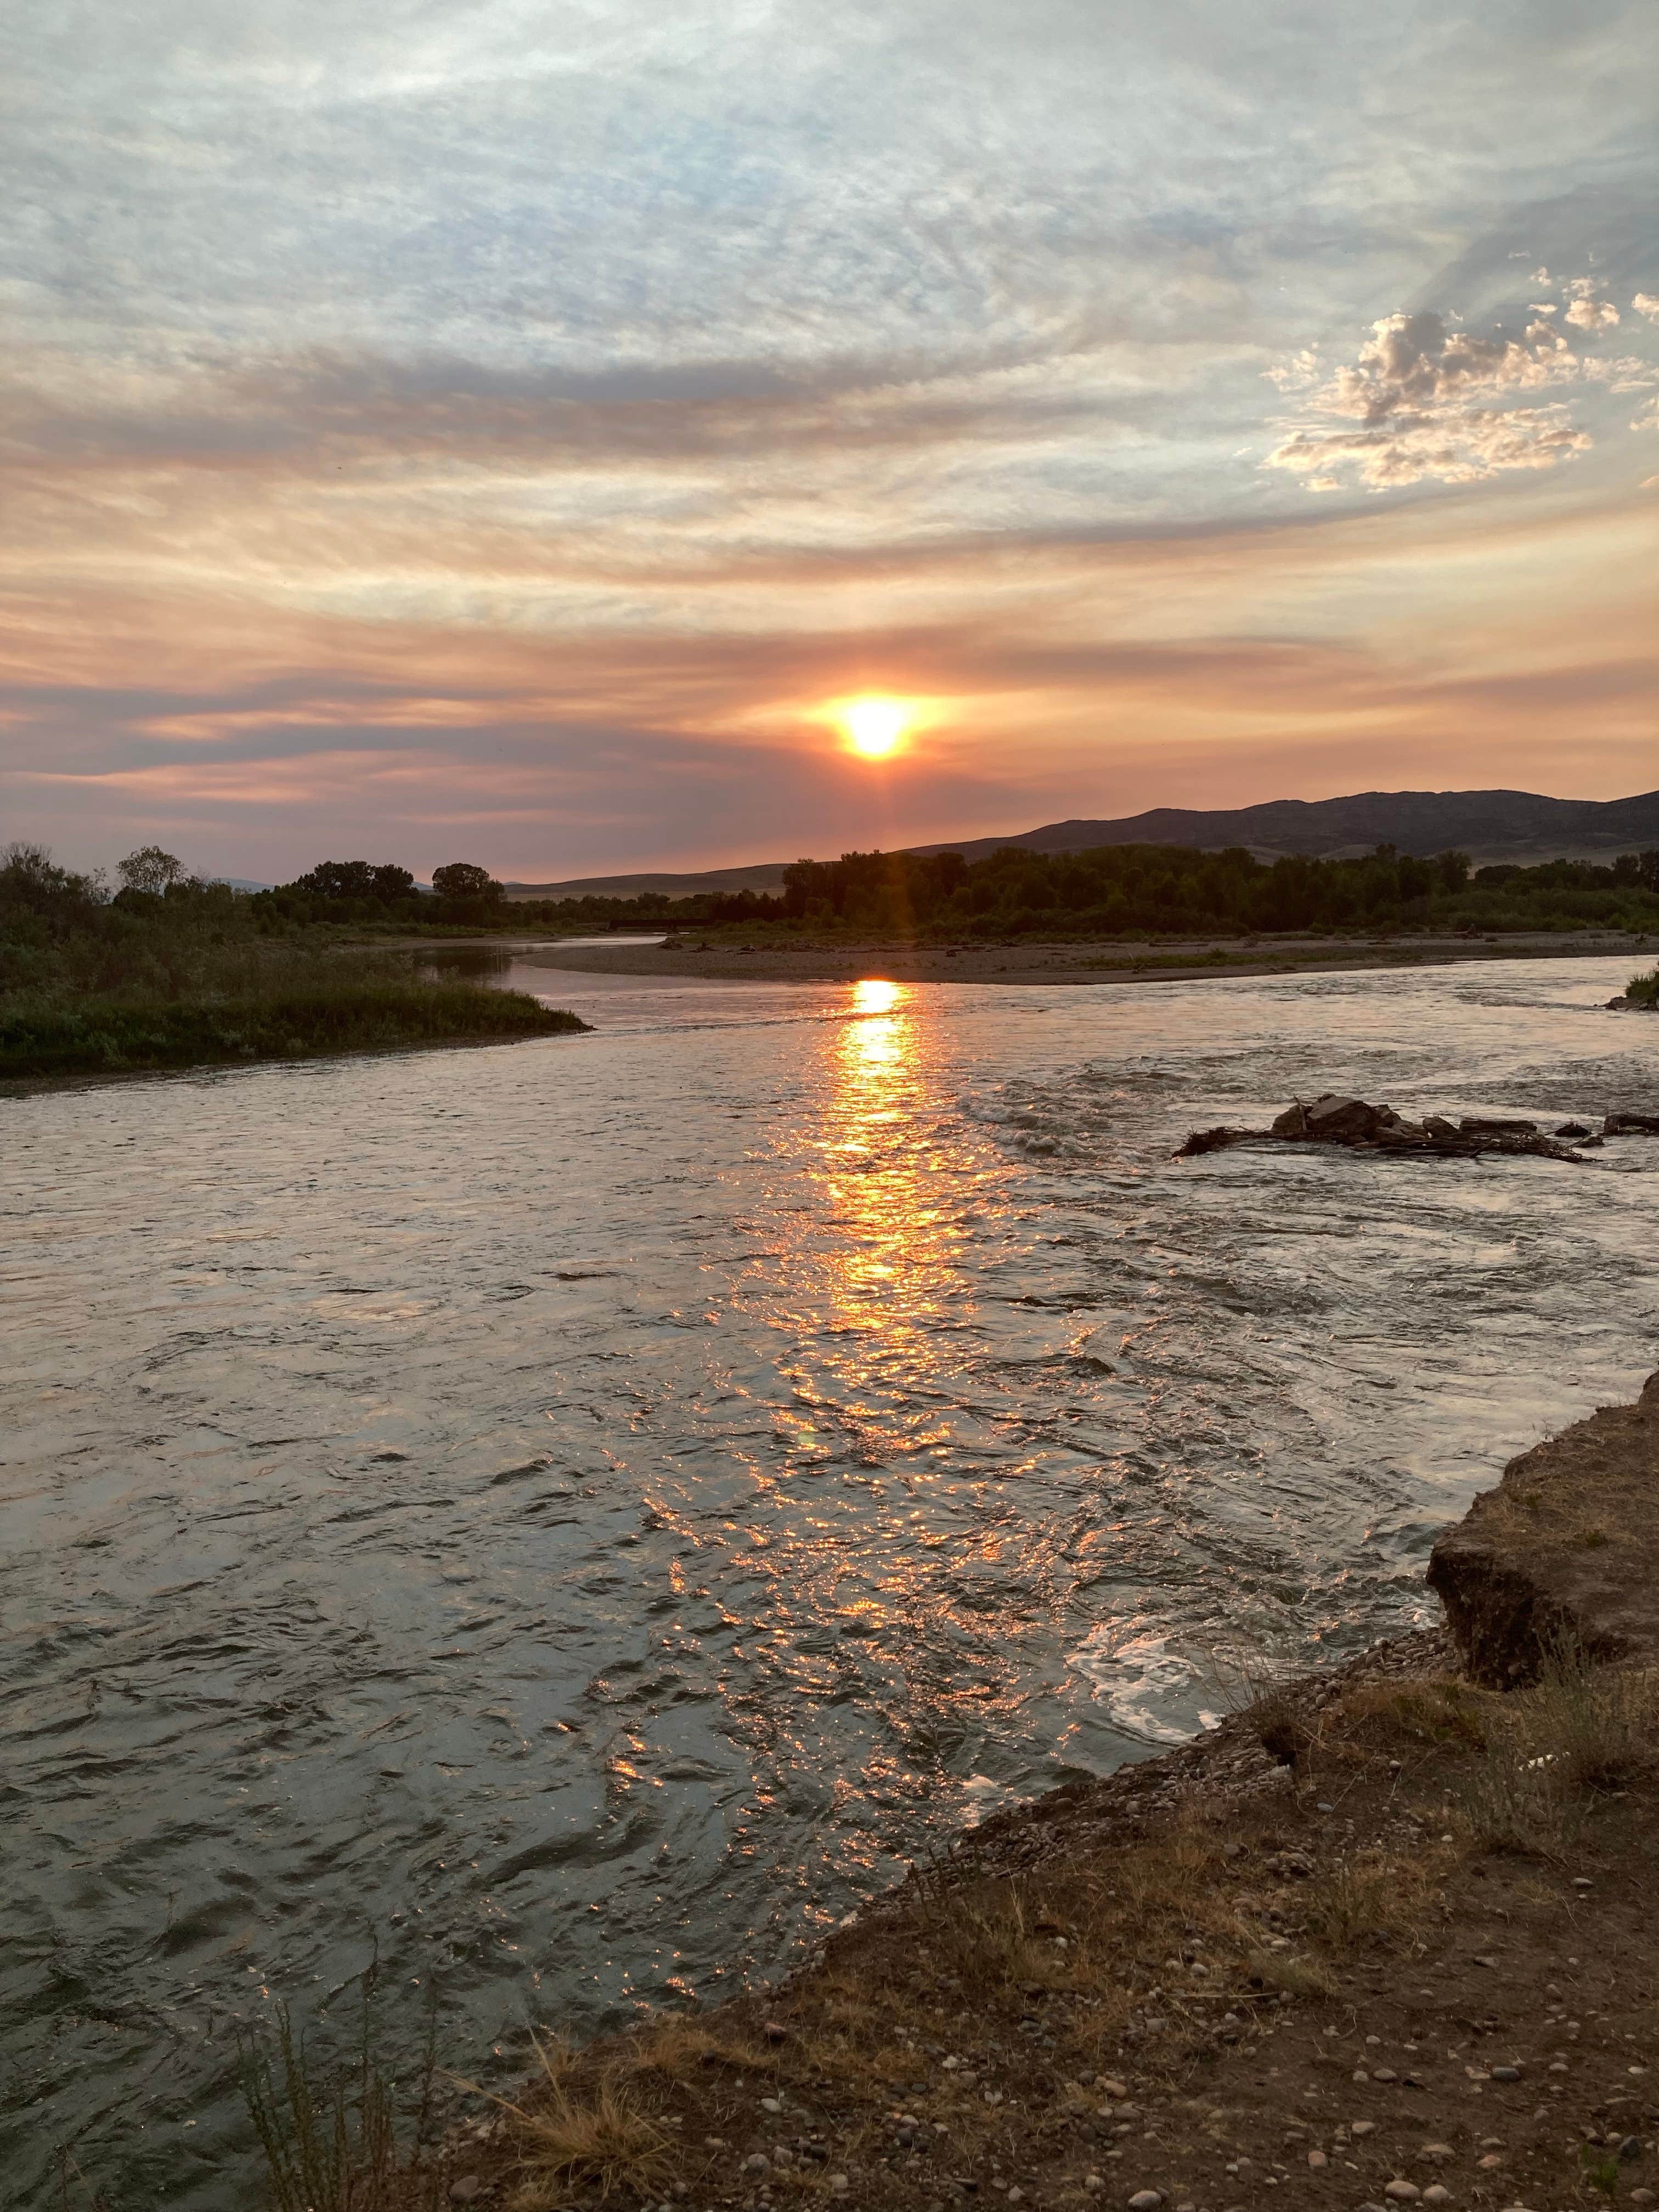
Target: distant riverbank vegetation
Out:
[1114,890]
[171,972]
[1155,891]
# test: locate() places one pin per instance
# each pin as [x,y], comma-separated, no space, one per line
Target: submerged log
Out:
[1218,1139]
[1631,1125]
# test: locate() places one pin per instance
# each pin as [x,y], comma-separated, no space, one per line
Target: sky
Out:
[503,430]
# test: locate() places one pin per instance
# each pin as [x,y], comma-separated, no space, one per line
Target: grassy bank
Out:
[293,1017]
[91,986]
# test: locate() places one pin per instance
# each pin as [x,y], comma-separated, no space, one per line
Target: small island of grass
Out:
[182,974]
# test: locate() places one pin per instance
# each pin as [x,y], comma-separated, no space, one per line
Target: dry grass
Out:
[1579,1732]
[597,2137]
[1398,1720]
[1373,1901]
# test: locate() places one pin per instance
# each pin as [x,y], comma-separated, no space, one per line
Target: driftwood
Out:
[1631,1125]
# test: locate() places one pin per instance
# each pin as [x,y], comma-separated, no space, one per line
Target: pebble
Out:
[771,2104]
[1492,2158]
[1507,2073]
[1146,2200]
[1403,2192]
[1438,2150]
[1436,2193]
[757,2162]
[1316,2159]
[1640,2197]
[464,2191]
[1361,2127]
[839,2184]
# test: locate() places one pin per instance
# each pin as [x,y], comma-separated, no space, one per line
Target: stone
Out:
[1492,2158]
[1146,2200]
[1336,1120]
[1317,2160]
[757,2162]
[1438,2152]
[1403,2192]
[1507,2073]
[1436,2193]
[1362,2127]
[465,2188]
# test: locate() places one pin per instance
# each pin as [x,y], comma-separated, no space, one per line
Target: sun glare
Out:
[874,726]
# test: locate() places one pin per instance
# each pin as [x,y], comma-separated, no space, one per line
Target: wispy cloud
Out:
[438,412]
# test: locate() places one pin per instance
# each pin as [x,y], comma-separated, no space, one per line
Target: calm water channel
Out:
[574,1517]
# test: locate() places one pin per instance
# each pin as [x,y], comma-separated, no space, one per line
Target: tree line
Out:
[1113,890]
[1172,890]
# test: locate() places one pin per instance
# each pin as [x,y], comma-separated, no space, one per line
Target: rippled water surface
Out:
[576,1516]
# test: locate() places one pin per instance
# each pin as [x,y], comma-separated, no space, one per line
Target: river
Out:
[572,1519]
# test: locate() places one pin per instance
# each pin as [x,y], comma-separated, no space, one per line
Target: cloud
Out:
[1587,314]
[1424,400]
[1645,303]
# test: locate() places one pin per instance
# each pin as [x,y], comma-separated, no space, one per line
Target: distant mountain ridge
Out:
[1489,825]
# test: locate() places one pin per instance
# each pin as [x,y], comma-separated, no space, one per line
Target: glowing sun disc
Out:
[874,726]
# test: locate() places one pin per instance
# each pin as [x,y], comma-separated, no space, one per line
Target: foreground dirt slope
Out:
[1387,1937]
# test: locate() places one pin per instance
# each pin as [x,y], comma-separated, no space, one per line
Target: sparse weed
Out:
[1580,1731]
[1374,1899]
[1381,1719]
[334,2147]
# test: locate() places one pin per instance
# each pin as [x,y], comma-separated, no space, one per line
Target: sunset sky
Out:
[502,431]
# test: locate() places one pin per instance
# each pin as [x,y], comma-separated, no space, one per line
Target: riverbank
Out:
[839,960]
[294,1016]
[1384,1936]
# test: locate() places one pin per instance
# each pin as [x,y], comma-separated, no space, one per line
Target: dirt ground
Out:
[721,956]
[1383,1938]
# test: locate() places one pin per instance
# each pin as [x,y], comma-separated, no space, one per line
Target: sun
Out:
[875,725]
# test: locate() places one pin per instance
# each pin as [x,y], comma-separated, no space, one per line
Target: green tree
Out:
[151,870]
[461,879]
